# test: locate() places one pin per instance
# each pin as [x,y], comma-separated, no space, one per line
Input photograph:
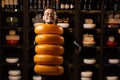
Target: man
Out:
[50,15]
[70,45]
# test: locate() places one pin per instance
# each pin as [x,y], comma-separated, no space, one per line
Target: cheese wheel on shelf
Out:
[49,39]
[49,49]
[48,70]
[48,59]
[48,28]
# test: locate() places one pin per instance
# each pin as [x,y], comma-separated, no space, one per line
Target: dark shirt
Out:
[69,48]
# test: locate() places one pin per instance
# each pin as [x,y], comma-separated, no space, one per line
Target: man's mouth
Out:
[50,19]
[49,22]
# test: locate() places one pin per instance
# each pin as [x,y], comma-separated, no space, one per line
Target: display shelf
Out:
[97,11]
[101,51]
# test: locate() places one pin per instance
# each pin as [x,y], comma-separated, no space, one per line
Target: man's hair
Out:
[49,7]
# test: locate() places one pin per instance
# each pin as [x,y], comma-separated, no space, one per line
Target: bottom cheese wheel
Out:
[48,70]
[48,59]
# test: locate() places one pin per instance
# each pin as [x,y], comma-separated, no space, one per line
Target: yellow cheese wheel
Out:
[49,39]
[48,28]
[48,59]
[49,49]
[48,70]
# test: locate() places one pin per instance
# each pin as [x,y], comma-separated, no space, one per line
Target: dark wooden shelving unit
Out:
[99,51]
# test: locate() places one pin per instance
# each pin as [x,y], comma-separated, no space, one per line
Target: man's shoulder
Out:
[68,35]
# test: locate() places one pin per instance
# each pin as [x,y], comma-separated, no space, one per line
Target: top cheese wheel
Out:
[48,28]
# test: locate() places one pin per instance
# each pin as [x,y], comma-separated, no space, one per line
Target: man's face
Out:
[50,16]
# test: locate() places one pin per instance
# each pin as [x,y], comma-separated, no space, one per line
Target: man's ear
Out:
[43,18]
[56,17]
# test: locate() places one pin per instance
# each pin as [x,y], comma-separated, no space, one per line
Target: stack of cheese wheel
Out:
[48,49]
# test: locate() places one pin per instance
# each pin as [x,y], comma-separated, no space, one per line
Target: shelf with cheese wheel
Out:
[105,28]
[76,21]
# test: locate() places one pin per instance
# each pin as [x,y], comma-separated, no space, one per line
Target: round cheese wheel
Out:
[48,70]
[48,28]
[49,39]
[48,59]
[49,49]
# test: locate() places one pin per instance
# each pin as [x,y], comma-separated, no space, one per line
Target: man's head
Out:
[50,15]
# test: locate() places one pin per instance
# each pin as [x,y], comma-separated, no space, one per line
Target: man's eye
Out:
[49,14]
[46,14]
